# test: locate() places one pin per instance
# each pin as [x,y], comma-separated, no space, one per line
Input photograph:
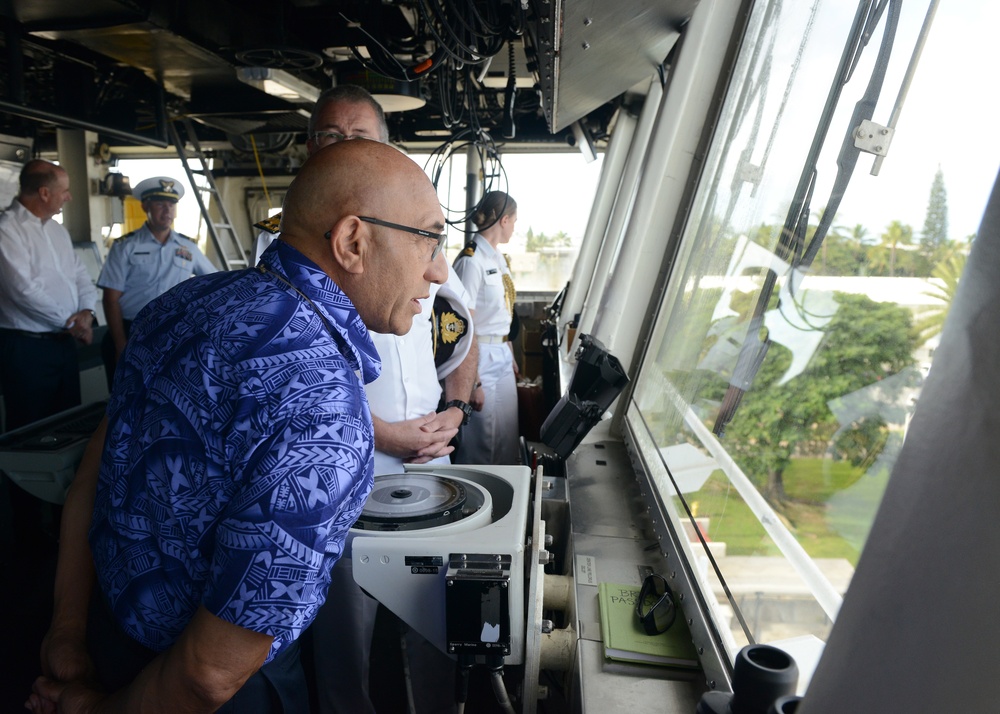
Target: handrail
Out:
[819,585]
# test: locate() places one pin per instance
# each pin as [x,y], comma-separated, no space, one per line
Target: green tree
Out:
[534,240]
[934,236]
[539,241]
[860,234]
[865,343]
[883,256]
[949,272]
[846,252]
[559,240]
[841,253]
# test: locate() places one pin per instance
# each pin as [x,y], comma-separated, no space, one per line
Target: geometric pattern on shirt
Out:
[238,456]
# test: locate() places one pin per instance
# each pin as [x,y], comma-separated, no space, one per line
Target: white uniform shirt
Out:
[143,269]
[264,239]
[482,274]
[408,386]
[42,279]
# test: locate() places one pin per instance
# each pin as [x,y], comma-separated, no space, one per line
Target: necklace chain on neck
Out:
[329,328]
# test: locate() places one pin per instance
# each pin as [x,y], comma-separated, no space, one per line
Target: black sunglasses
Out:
[441,238]
[658,616]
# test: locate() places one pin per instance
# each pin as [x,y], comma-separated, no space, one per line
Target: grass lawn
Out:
[830,507]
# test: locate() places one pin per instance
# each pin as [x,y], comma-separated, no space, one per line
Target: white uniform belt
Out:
[492,339]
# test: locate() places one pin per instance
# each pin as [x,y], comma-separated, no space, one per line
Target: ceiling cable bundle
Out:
[469,32]
[494,175]
[463,32]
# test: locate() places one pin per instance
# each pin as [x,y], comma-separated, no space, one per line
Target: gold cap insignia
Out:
[271,225]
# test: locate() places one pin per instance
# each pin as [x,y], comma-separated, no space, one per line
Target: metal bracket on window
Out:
[873,138]
[918,48]
[750,173]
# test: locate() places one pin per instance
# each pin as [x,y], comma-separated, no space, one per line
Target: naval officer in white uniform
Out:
[492,435]
[145,263]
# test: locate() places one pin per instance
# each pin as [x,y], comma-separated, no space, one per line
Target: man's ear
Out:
[350,244]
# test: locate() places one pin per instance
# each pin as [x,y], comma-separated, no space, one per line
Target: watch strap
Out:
[465,408]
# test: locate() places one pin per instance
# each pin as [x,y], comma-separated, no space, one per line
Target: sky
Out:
[554,192]
[948,120]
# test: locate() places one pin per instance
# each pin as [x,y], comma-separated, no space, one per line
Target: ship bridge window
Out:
[553,191]
[782,371]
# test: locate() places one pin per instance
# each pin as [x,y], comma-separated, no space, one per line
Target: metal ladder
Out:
[221,233]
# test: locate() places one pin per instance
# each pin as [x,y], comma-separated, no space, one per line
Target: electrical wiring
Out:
[453,108]
[494,175]
[439,27]
[384,62]
[375,64]
[464,34]
[485,39]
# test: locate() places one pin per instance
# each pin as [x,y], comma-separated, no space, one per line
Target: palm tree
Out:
[948,272]
[896,233]
[858,233]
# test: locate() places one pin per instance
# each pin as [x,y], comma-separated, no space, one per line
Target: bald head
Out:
[371,263]
[359,177]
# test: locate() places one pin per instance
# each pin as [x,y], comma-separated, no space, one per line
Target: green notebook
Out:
[624,639]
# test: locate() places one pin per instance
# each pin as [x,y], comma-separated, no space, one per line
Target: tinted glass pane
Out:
[788,354]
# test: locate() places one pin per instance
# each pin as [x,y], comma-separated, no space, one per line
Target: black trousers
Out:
[110,355]
[279,687]
[39,375]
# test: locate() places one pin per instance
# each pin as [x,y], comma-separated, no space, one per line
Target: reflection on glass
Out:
[818,366]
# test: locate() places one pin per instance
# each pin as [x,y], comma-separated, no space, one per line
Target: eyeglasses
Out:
[660,615]
[334,136]
[441,238]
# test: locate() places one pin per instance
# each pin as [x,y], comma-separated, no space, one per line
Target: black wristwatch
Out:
[464,406]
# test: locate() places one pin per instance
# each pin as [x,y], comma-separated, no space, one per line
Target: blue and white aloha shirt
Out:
[239,452]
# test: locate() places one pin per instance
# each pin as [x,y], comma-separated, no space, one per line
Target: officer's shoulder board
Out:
[120,240]
[450,330]
[467,252]
[188,238]
[271,225]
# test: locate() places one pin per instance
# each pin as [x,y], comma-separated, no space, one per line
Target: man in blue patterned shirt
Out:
[239,446]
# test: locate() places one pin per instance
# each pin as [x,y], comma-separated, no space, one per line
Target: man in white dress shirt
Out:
[47,300]
[408,428]
[46,308]
[407,404]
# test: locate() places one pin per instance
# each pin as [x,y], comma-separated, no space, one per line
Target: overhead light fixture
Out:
[499,81]
[278,83]
[392,94]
